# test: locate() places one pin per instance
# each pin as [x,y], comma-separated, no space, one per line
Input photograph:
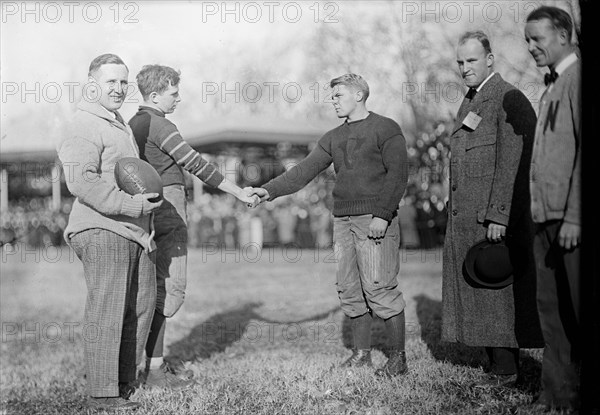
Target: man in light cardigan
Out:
[110,231]
[555,184]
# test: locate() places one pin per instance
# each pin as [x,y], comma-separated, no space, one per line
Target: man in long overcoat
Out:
[489,199]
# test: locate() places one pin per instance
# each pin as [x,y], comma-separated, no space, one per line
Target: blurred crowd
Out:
[302,219]
[33,222]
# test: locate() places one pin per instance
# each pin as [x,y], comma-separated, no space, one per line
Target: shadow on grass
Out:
[429,313]
[223,329]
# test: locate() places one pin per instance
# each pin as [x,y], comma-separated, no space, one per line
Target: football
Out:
[135,176]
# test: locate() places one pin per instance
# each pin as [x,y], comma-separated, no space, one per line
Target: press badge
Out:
[472,120]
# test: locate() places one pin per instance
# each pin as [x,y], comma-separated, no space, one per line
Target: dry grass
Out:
[262,335]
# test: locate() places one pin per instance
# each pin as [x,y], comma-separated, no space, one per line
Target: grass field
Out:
[263,334]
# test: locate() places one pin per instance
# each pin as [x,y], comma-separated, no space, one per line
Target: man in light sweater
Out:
[555,185]
[161,145]
[110,231]
[368,152]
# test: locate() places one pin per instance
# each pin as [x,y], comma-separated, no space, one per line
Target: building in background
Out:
[35,201]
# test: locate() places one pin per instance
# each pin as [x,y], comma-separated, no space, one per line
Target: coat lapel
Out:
[475,105]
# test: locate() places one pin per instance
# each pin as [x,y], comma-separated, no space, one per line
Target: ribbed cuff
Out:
[132,206]
[269,188]
[383,213]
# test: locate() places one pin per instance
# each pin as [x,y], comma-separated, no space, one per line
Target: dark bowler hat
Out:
[488,265]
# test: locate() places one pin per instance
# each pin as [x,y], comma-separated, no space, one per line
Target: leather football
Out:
[136,176]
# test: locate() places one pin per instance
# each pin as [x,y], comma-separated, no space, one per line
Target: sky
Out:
[46,48]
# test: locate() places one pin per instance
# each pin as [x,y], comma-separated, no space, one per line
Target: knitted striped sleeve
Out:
[171,142]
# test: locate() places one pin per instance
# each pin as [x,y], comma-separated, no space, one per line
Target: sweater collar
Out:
[99,111]
[357,121]
[152,110]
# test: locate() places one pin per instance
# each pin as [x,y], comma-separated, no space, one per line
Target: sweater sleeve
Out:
[171,142]
[395,161]
[573,211]
[301,174]
[81,159]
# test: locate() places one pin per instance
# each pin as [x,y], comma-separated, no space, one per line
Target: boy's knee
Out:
[385,302]
[172,305]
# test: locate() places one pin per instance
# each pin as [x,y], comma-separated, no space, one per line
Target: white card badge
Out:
[472,120]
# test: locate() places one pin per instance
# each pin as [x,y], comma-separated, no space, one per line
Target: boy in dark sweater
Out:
[163,147]
[368,153]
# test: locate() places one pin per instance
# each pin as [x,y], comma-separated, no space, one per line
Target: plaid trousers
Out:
[121,292]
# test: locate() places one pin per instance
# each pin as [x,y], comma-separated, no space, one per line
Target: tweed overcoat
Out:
[489,182]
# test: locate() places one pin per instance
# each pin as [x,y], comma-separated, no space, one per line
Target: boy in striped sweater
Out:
[161,145]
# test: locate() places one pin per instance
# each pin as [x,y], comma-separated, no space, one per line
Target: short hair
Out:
[477,35]
[156,78]
[559,18]
[353,80]
[105,59]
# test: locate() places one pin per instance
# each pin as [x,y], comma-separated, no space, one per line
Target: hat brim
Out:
[469,269]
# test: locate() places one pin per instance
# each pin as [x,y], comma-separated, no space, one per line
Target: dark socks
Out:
[361,331]
[395,327]
[503,360]
[156,338]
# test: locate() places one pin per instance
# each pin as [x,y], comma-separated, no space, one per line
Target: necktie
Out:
[550,78]
[471,93]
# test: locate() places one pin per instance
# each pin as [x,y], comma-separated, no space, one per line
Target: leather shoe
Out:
[112,404]
[395,365]
[126,389]
[180,371]
[164,378]
[360,357]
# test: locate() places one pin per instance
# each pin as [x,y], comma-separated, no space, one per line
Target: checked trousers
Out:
[121,292]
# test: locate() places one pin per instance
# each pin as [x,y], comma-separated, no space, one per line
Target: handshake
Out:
[253,196]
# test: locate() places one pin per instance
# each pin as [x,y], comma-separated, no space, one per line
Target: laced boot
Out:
[396,365]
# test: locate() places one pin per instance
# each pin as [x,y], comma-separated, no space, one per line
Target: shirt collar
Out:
[565,63]
[484,81]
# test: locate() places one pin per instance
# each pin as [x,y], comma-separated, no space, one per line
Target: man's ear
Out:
[359,95]
[563,36]
[490,60]
[153,97]
[92,89]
